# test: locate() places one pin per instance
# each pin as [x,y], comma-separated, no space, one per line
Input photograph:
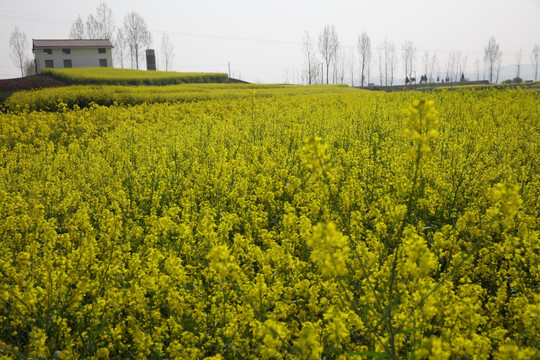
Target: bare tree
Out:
[457,68]
[137,36]
[492,57]
[340,65]
[335,65]
[535,59]
[434,66]
[328,46]
[464,60]
[390,59]
[393,62]
[408,54]
[77,29]
[477,67]
[315,73]
[518,64]
[342,69]
[426,62]
[120,46]
[351,64]
[364,48]
[18,45]
[368,70]
[309,52]
[319,72]
[100,25]
[29,67]
[167,52]
[92,27]
[381,66]
[450,64]
[387,60]
[455,65]
[499,63]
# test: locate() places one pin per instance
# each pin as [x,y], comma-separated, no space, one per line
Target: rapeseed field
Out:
[349,225]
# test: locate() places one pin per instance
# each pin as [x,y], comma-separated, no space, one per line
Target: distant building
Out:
[61,54]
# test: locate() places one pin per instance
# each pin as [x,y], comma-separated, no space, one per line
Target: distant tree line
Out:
[334,61]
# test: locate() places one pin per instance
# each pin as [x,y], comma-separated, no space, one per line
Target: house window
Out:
[103,62]
[47,51]
[49,64]
[66,51]
[102,51]
[67,63]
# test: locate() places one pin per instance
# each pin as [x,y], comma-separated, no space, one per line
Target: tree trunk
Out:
[327,70]
[363,66]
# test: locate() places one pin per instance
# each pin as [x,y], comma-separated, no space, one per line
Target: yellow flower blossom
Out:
[330,249]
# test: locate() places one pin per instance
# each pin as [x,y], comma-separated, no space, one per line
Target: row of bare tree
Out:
[130,40]
[332,57]
[334,61]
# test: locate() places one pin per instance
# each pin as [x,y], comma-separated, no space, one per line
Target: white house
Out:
[61,54]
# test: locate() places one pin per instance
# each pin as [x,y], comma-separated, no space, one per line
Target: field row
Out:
[81,96]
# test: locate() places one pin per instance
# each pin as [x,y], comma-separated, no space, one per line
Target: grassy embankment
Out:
[111,76]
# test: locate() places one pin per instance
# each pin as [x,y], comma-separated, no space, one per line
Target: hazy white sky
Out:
[262,39]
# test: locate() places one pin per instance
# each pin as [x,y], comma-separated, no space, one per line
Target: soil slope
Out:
[28,83]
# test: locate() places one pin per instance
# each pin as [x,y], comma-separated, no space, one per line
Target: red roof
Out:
[69,43]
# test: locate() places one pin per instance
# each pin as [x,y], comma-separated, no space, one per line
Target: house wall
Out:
[80,57]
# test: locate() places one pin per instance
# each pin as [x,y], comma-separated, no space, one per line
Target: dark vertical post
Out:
[150,59]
